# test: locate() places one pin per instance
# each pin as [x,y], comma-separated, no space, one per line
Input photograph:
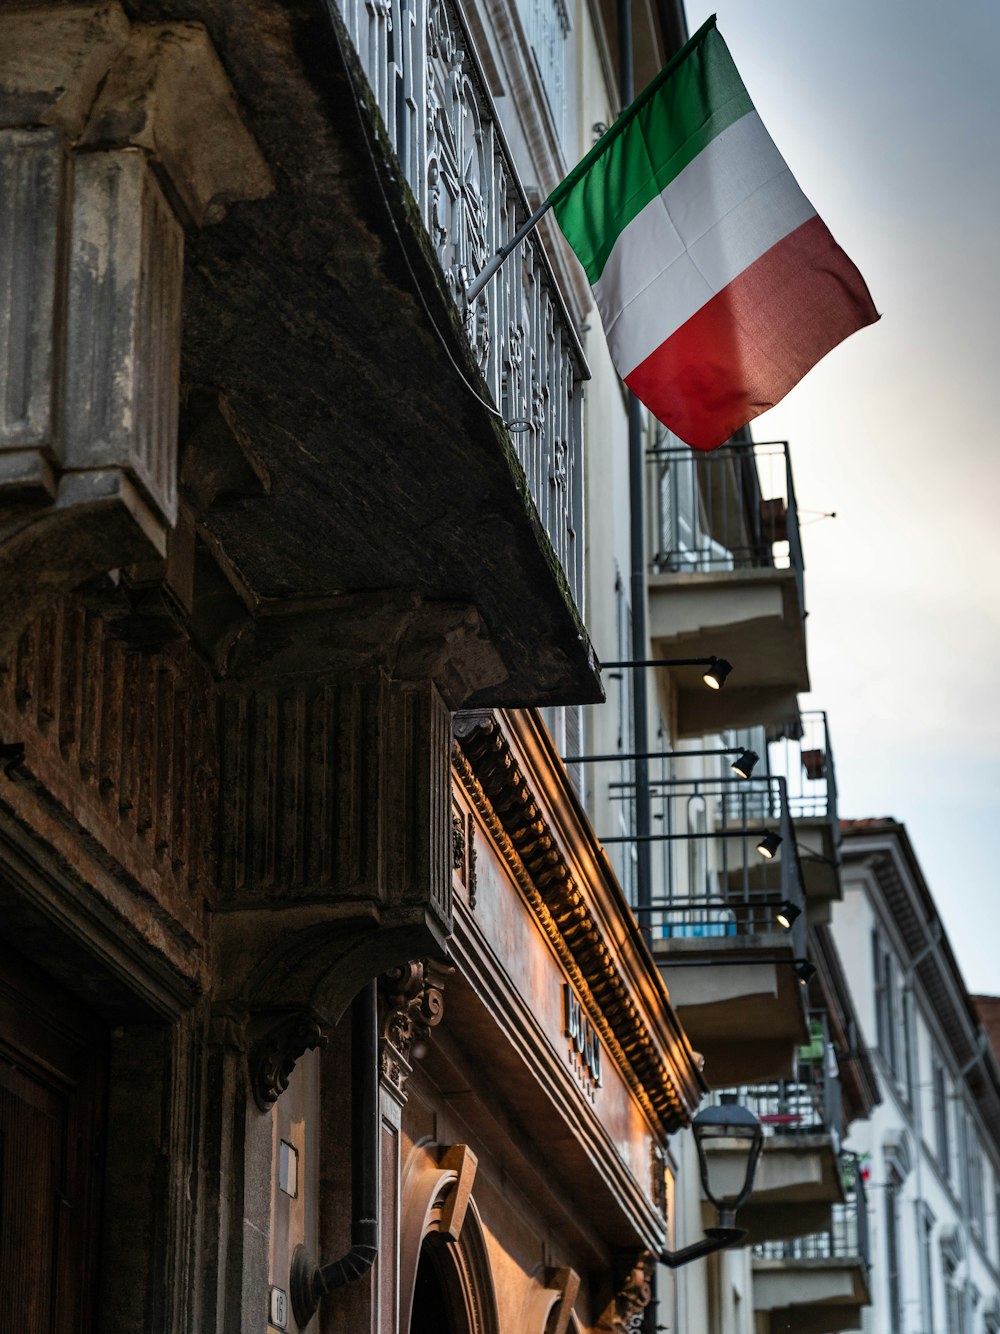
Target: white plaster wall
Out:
[929,1182]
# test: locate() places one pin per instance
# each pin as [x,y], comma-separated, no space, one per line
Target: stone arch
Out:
[440,1224]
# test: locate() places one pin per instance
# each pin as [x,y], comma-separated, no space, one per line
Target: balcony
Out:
[817,1284]
[799,1176]
[353,439]
[712,922]
[727,578]
[801,753]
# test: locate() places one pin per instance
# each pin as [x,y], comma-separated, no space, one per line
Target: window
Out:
[908,1038]
[894,1279]
[954,1297]
[972,1171]
[886,1006]
[547,26]
[925,1231]
[941,1119]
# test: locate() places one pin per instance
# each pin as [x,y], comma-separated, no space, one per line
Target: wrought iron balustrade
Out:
[731,509]
[803,756]
[809,1103]
[846,1239]
[426,81]
[710,878]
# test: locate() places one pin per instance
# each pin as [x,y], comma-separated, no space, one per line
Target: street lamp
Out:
[728,1180]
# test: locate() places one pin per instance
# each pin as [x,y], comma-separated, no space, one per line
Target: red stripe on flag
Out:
[753,341]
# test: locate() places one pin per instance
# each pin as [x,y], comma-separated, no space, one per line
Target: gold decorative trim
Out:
[523,838]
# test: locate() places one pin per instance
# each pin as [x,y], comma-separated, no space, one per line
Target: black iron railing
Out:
[709,878]
[809,1103]
[801,754]
[732,509]
[846,1239]
[432,94]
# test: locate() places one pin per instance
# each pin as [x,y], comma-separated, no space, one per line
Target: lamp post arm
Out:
[715,1239]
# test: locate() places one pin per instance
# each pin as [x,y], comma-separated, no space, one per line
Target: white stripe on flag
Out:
[726,208]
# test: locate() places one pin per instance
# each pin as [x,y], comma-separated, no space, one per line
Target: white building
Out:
[931,1150]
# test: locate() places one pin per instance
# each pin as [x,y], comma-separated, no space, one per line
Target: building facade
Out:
[930,1151]
[368,950]
[321,1005]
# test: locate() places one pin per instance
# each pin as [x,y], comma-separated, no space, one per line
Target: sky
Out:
[888,113]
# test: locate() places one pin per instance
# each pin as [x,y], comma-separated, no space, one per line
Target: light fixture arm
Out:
[663,662]
[715,1239]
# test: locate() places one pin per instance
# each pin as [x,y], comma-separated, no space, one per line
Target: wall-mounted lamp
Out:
[805,971]
[717,669]
[745,764]
[769,844]
[787,913]
[716,675]
[742,766]
[727,1175]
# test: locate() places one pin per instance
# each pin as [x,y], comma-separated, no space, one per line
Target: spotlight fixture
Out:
[788,912]
[769,844]
[805,971]
[744,766]
[716,675]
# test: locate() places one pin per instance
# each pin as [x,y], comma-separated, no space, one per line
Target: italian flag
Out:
[718,285]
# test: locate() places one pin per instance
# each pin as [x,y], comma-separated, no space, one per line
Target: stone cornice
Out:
[586,920]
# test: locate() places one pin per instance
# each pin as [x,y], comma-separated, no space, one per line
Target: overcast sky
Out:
[888,113]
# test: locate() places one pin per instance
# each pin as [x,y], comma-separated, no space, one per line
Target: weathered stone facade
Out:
[257,545]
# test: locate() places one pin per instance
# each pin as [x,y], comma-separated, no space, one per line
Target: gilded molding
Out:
[487,769]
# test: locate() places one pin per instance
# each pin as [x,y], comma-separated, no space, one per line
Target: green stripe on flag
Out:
[693,99]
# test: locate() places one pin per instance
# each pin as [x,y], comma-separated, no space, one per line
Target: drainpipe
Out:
[637,561]
[309,1282]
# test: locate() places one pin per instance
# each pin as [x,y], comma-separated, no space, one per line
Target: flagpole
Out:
[491,267]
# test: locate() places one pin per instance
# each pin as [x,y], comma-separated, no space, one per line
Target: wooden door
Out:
[53,1062]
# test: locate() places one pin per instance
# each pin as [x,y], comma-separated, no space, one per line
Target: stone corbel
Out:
[624,1315]
[277,1043]
[412,1003]
[113,138]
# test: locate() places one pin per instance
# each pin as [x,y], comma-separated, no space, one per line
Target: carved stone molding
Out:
[464,854]
[333,790]
[412,1003]
[488,770]
[116,740]
[625,1315]
[113,137]
[277,1046]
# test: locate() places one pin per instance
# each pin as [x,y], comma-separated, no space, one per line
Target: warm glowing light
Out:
[769,845]
[788,912]
[744,766]
[715,677]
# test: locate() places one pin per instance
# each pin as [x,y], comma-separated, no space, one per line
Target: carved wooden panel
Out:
[119,740]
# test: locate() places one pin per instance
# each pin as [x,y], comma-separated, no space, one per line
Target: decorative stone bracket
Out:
[278,1044]
[113,137]
[412,1004]
[625,1313]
